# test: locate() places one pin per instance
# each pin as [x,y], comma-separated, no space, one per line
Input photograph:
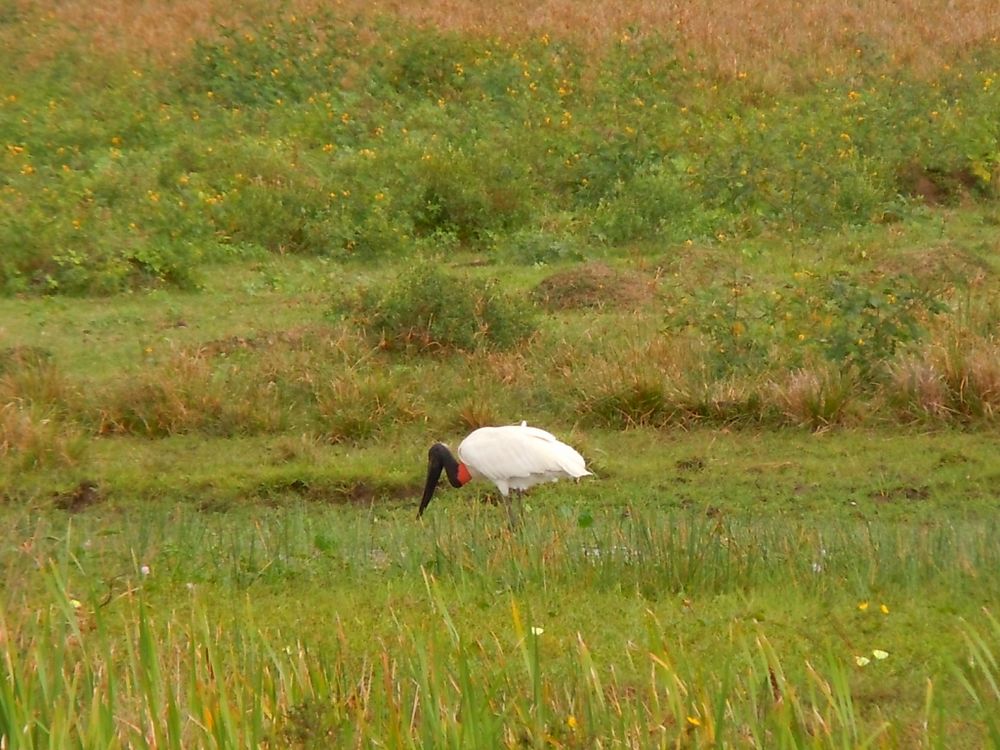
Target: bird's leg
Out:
[513,517]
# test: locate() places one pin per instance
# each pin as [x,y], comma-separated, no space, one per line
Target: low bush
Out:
[849,322]
[428,310]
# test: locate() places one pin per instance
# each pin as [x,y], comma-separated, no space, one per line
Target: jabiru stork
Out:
[513,457]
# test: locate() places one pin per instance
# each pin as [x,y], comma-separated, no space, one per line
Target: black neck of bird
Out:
[438,458]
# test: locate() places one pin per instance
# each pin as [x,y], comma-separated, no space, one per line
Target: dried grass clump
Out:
[647,383]
[360,405]
[29,374]
[816,397]
[189,392]
[960,380]
[262,382]
[917,389]
[31,437]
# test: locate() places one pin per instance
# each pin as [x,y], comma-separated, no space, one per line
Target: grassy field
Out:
[253,262]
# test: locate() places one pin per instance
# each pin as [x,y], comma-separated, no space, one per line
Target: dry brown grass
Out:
[32,437]
[958,379]
[816,397]
[595,285]
[770,38]
[29,374]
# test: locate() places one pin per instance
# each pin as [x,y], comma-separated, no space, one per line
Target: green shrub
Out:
[430,310]
[849,322]
[535,246]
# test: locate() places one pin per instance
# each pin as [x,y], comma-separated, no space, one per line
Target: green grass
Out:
[304,625]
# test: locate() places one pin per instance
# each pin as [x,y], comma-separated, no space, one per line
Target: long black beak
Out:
[438,458]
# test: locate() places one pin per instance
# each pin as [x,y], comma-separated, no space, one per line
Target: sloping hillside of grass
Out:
[812,251]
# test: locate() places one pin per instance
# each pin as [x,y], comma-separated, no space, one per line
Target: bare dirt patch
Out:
[360,492]
[595,285]
[905,493]
[80,498]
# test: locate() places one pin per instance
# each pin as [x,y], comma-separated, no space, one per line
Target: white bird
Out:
[513,457]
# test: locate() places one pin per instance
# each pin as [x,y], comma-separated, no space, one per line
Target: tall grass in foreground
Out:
[177,681]
[450,637]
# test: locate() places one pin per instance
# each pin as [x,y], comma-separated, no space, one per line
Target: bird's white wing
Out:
[519,456]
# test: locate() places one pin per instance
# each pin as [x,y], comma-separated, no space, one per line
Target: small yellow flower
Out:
[327,147]
[885,609]
[571,722]
[694,721]
[880,654]
[863,606]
